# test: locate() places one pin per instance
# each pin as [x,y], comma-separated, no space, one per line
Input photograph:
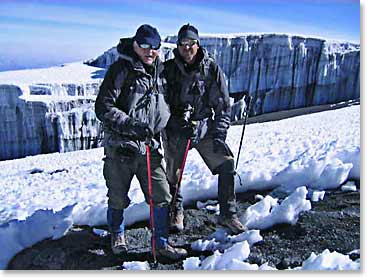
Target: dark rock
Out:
[36,170]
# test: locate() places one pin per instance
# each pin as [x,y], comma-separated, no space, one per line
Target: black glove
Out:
[187,128]
[139,130]
[128,149]
[189,131]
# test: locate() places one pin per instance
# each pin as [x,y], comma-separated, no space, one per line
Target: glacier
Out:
[52,109]
[48,110]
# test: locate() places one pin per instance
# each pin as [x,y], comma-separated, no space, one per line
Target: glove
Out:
[139,130]
[128,149]
[188,130]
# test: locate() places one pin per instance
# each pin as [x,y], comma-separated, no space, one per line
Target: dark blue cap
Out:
[147,34]
[188,31]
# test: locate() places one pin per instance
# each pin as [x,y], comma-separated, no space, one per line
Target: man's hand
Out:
[139,130]
[188,130]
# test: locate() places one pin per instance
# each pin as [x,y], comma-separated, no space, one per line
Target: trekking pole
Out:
[248,103]
[181,172]
[150,192]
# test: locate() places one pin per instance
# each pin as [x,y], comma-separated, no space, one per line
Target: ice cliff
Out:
[47,110]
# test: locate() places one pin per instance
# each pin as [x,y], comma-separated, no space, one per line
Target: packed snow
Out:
[56,74]
[42,196]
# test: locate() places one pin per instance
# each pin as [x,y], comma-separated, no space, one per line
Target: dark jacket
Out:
[124,87]
[203,87]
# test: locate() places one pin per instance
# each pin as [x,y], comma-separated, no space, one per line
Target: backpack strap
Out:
[207,70]
[170,73]
[207,65]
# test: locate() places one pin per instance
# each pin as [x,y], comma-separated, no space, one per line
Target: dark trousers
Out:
[119,170]
[174,149]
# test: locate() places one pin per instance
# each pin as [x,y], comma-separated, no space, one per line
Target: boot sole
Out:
[164,259]
[237,232]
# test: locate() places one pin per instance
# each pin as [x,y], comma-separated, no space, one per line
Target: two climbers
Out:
[186,100]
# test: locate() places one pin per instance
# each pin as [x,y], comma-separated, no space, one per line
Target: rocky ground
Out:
[333,224]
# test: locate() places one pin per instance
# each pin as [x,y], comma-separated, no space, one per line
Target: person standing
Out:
[200,111]
[131,105]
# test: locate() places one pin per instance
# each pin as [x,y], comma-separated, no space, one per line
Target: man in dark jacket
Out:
[200,111]
[131,104]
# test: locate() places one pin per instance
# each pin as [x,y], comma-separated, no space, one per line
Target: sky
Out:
[301,156]
[39,33]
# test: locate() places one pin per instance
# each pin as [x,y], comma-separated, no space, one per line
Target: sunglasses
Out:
[148,46]
[189,43]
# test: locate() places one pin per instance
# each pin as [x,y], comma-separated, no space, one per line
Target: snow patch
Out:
[16,235]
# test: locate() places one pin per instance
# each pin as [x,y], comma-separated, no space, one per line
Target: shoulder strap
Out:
[170,72]
[207,66]
[170,69]
[209,71]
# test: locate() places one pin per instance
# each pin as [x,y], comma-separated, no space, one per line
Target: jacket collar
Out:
[202,55]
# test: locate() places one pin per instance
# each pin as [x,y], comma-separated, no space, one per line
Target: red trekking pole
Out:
[150,190]
[181,172]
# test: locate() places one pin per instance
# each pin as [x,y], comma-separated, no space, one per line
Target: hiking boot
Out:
[171,253]
[232,223]
[176,221]
[118,243]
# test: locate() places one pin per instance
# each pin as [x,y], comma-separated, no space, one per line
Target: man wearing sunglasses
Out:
[133,110]
[200,113]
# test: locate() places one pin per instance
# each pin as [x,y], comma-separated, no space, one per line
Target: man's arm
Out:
[221,104]
[106,103]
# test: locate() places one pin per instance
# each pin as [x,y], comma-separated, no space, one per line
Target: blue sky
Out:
[43,33]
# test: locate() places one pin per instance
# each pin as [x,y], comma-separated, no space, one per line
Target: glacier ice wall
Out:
[18,132]
[44,118]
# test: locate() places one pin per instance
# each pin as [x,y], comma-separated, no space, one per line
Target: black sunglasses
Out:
[189,43]
[148,46]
